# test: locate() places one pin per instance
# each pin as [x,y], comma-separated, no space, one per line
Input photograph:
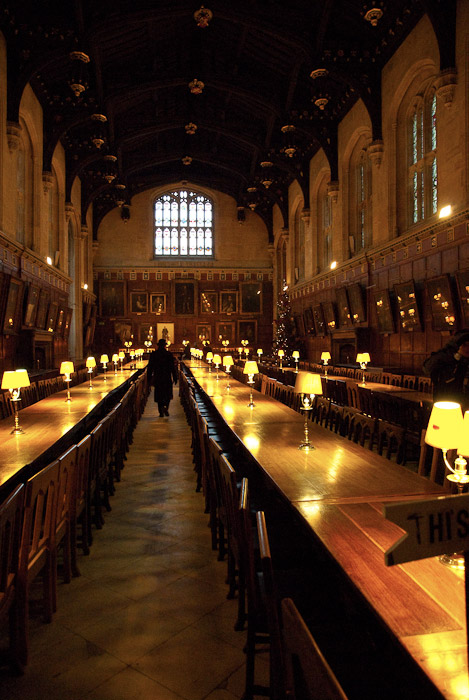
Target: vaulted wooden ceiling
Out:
[255,59]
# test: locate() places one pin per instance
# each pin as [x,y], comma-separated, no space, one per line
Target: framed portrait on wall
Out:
[357,307]
[14,298]
[208,302]
[144,330]
[251,297]
[330,319]
[184,298]
[382,303]
[52,316]
[32,301]
[166,331]
[229,302]
[247,330]
[42,308]
[226,331]
[203,331]
[309,320]
[318,316]
[138,302]
[158,303]
[59,327]
[343,308]
[68,322]
[462,280]
[299,322]
[409,317]
[112,298]
[123,331]
[442,306]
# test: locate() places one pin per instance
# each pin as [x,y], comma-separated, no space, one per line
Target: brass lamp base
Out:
[17,431]
[306,446]
[455,560]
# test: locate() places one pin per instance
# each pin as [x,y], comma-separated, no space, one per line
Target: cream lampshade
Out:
[209,356]
[250,367]
[463,439]
[325,356]
[260,352]
[445,426]
[67,368]
[121,355]
[228,361]
[281,353]
[90,362]
[14,381]
[104,359]
[308,383]
[217,359]
[115,357]
[295,354]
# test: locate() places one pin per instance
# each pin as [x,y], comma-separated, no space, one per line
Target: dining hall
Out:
[234,350]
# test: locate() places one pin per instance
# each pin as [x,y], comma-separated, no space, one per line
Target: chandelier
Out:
[191,128]
[98,137]
[78,77]
[110,173]
[267,179]
[187,160]
[373,16]
[319,73]
[290,148]
[120,194]
[203,16]
[196,86]
[321,102]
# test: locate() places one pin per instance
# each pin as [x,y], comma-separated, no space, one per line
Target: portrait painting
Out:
[165,331]
[138,302]
[184,298]
[319,323]
[111,298]
[146,330]
[203,331]
[208,302]
[247,330]
[442,305]
[52,316]
[229,302]
[308,320]
[357,307]
[462,279]
[32,301]
[68,322]
[409,317]
[383,308]
[251,297]
[329,315]
[123,331]
[343,308]
[158,303]
[226,331]
[42,308]
[59,327]
[15,292]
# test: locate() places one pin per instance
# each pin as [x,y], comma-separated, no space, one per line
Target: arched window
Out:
[422,173]
[299,229]
[281,264]
[183,225]
[324,225]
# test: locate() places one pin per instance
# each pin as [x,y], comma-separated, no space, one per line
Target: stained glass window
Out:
[183,224]
[422,170]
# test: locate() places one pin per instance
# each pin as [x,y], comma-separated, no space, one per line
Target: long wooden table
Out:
[339,489]
[47,424]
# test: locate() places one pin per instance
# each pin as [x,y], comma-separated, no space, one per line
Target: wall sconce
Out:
[217,362]
[67,369]
[228,364]
[308,385]
[363,358]
[325,357]
[296,357]
[91,364]
[445,211]
[115,359]
[49,260]
[104,361]
[85,286]
[250,368]
[281,355]
[14,381]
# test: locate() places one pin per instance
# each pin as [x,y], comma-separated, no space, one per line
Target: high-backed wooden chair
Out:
[217,516]
[80,503]
[37,543]
[62,537]
[308,675]
[408,381]
[424,384]
[11,515]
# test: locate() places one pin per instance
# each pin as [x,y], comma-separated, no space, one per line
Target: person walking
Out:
[449,370]
[162,373]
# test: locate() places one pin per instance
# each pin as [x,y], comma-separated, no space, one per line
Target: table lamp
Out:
[448,430]
[122,358]
[91,364]
[250,368]
[260,352]
[246,352]
[104,361]
[14,381]
[228,363]
[217,362]
[67,369]
[363,358]
[308,385]
[281,355]
[240,352]
[132,358]
[325,357]
[115,359]
[296,357]
[209,358]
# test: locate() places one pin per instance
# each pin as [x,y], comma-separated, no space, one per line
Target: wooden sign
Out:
[433,526]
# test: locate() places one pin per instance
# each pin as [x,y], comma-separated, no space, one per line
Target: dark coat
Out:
[449,372]
[161,374]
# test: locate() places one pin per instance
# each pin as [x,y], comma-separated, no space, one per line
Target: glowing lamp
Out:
[14,381]
[308,385]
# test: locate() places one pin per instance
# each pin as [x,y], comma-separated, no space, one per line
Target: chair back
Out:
[424,384]
[11,514]
[308,675]
[353,398]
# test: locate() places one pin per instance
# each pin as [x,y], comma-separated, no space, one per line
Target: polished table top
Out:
[48,420]
[339,489]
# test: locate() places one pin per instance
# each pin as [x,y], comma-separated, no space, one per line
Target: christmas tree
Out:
[285,332]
